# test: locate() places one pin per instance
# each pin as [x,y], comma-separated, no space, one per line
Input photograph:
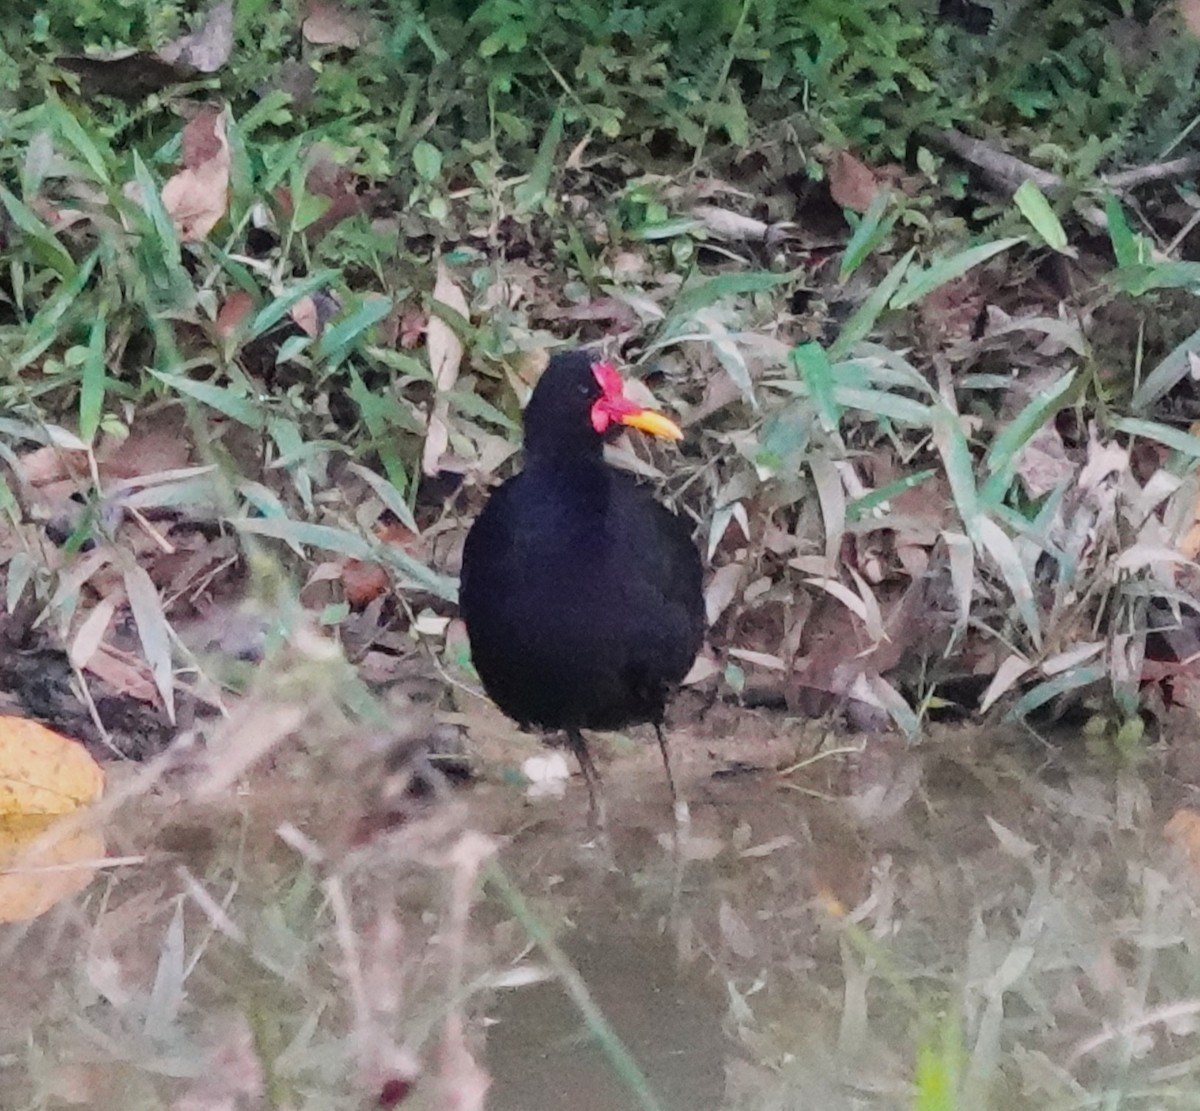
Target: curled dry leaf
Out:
[196,198]
[43,772]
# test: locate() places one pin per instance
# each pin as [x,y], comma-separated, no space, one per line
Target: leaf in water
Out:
[166,996]
[153,632]
[36,872]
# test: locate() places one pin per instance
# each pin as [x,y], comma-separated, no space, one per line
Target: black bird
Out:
[581,594]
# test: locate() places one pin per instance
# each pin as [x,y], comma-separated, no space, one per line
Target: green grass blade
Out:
[924,282]
[91,386]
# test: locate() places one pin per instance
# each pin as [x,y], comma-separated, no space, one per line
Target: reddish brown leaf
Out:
[196,198]
[327,24]
[236,308]
[852,183]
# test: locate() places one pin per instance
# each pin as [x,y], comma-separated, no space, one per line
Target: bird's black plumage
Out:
[581,594]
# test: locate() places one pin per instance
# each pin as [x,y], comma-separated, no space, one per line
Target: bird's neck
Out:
[572,455]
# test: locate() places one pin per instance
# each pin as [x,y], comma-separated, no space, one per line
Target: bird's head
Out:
[579,403]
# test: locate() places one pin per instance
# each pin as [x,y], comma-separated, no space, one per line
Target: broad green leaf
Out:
[924,282]
[151,203]
[894,406]
[711,290]
[1183,442]
[43,330]
[237,407]
[427,160]
[1036,209]
[1136,280]
[270,315]
[999,545]
[338,340]
[860,507]
[391,497]
[814,367]
[871,231]
[48,249]
[1006,448]
[532,192]
[859,326]
[1075,679]
[952,445]
[85,145]
[1126,246]
[665,229]
[1175,365]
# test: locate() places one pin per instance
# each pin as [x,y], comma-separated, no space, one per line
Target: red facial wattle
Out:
[613,407]
[611,396]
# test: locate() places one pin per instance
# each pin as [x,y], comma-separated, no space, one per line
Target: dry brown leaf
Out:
[43,772]
[90,634]
[34,877]
[196,198]
[949,313]
[1189,12]
[1183,831]
[304,313]
[208,47]
[445,359]
[1043,462]
[721,590]
[235,309]
[328,25]
[852,183]
[126,674]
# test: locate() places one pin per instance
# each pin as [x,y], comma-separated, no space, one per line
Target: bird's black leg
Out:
[597,816]
[679,808]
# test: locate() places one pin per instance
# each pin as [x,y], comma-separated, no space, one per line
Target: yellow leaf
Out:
[34,877]
[43,772]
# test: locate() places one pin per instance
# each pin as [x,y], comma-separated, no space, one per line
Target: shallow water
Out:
[1011,915]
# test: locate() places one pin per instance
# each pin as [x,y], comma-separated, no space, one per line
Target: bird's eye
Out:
[585,390]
